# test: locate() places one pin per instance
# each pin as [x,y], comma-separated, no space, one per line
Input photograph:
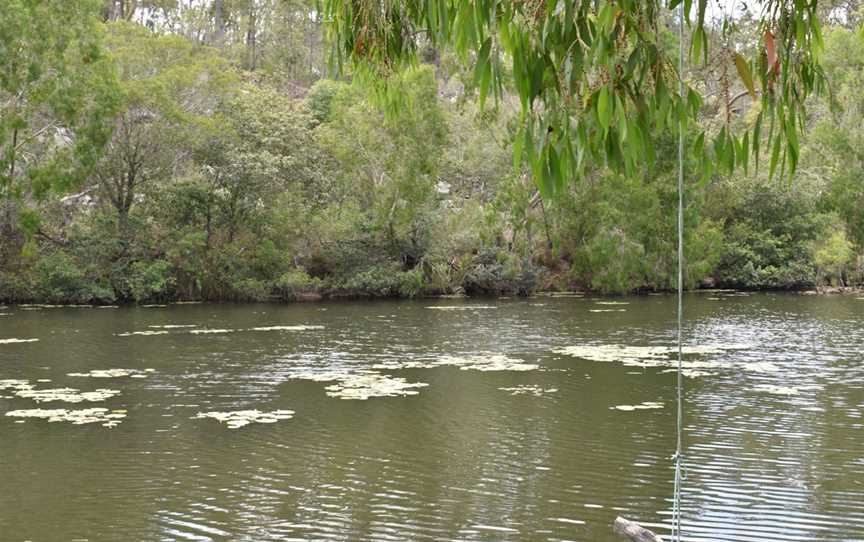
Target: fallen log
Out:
[634,531]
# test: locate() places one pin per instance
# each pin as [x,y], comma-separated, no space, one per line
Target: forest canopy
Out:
[271,150]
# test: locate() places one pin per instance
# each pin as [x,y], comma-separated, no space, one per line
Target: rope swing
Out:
[679,449]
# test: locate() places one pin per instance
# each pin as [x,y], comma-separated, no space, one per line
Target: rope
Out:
[679,449]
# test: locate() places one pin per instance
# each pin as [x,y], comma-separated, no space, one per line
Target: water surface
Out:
[772,454]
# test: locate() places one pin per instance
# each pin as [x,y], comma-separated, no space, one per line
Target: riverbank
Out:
[354,296]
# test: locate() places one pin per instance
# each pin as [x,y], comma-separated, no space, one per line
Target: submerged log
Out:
[634,531]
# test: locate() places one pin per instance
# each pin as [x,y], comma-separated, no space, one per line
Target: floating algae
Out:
[776,390]
[364,386]
[240,418]
[15,341]
[658,356]
[647,405]
[529,389]
[486,362]
[476,362]
[15,384]
[286,328]
[145,333]
[461,307]
[68,395]
[76,417]
[361,384]
[113,373]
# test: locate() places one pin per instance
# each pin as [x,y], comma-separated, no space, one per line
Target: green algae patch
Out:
[236,419]
[142,333]
[286,328]
[102,416]
[646,405]
[529,389]
[663,356]
[113,373]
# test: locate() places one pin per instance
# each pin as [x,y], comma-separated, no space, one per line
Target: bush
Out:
[296,283]
[150,280]
[60,279]
[382,281]
[494,272]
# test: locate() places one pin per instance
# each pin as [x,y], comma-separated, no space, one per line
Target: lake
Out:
[513,419]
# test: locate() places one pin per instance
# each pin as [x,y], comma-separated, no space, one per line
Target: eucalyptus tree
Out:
[170,90]
[56,90]
[597,80]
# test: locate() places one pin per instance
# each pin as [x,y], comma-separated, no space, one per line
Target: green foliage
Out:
[319,100]
[61,279]
[223,183]
[832,256]
[297,284]
[382,281]
[769,232]
[594,79]
[57,87]
[150,281]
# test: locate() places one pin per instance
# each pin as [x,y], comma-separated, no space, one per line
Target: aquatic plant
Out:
[114,373]
[240,418]
[529,389]
[647,405]
[82,416]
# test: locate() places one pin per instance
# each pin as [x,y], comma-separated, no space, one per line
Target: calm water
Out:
[463,459]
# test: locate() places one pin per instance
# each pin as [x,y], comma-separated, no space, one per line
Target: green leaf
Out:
[604,110]
[744,74]
[775,154]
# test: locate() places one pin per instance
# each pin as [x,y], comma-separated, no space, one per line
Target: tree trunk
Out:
[251,35]
[219,22]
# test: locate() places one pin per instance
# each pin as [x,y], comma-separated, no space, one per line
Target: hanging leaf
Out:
[744,74]
[604,111]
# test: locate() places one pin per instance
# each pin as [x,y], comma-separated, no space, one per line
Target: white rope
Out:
[679,450]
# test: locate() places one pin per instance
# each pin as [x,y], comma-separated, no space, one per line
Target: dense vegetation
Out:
[156,150]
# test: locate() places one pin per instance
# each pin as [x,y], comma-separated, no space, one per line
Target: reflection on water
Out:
[517,433]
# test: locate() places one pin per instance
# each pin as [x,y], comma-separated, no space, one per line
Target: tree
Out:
[596,79]
[170,90]
[56,89]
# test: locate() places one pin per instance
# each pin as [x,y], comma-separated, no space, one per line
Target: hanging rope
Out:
[679,449]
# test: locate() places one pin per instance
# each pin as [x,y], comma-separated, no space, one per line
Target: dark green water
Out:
[461,460]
